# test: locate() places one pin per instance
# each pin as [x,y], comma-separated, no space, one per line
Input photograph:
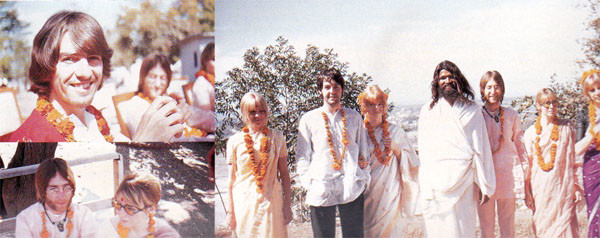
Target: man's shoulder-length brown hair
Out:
[46,171]
[87,36]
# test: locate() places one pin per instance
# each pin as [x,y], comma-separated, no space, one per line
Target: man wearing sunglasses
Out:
[456,159]
[54,215]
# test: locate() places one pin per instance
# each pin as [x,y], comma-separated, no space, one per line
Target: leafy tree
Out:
[288,83]
[591,45]
[573,105]
[14,52]
[149,28]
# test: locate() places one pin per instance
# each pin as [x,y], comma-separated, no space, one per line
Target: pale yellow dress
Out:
[257,215]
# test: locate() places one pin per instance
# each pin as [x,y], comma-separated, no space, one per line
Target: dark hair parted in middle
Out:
[491,75]
[87,36]
[46,171]
[463,87]
[330,74]
[151,61]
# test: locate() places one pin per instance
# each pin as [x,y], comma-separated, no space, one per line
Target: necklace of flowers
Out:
[337,163]
[188,131]
[592,116]
[209,77]
[554,136]
[64,126]
[259,168]
[498,118]
[386,134]
[69,216]
[124,231]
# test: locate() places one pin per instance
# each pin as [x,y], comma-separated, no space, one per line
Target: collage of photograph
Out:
[316,118]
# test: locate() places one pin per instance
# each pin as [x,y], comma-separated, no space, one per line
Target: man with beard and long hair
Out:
[55,215]
[456,159]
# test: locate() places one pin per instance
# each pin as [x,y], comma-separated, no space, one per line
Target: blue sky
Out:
[399,43]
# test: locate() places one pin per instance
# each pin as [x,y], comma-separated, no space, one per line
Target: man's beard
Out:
[449,91]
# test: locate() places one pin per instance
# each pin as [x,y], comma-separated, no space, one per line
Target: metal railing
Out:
[8,224]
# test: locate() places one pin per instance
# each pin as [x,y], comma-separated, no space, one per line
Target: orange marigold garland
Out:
[553,148]
[46,234]
[124,231]
[64,126]
[386,134]
[501,115]
[337,162]
[592,116]
[209,77]
[259,168]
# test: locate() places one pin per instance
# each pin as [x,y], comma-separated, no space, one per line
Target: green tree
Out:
[591,45]
[288,83]
[149,28]
[14,52]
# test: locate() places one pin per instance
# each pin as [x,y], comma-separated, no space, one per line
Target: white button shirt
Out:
[326,186]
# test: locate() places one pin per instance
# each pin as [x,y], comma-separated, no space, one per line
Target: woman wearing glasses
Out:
[552,191]
[135,204]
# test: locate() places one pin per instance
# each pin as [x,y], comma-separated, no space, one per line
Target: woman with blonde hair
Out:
[589,147]
[394,167]
[505,135]
[550,145]
[135,204]
[259,182]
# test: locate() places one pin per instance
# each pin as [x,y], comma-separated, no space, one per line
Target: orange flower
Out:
[209,77]
[553,148]
[337,163]
[64,126]
[259,168]
[386,134]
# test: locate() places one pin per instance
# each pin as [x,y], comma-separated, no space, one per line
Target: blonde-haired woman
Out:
[259,182]
[550,145]
[135,204]
[589,146]
[394,167]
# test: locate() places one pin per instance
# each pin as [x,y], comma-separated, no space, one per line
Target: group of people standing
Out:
[366,167]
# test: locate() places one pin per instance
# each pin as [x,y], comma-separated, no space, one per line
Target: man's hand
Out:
[287,213]
[231,220]
[160,122]
[483,198]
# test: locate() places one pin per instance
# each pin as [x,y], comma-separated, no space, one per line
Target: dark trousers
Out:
[351,217]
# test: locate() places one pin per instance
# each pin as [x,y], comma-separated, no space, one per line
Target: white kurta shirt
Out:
[326,186]
[29,222]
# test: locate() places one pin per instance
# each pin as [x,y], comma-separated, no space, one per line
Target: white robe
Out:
[393,189]
[455,156]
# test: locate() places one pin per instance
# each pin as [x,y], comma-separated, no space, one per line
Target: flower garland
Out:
[259,168]
[501,114]
[209,77]
[124,231]
[337,163]
[46,234]
[188,131]
[592,116]
[64,126]
[386,134]
[553,148]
